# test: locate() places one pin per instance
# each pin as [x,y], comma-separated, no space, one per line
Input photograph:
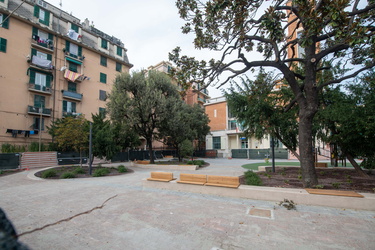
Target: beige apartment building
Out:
[52,65]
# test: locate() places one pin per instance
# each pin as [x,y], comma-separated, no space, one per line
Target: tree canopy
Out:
[284,34]
[144,103]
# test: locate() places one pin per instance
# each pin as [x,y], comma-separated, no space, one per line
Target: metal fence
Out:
[259,153]
[9,161]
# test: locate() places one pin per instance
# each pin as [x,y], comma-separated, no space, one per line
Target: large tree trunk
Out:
[309,177]
[357,168]
[149,144]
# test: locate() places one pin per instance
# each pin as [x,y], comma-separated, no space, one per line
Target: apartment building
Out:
[193,95]
[52,65]
[226,132]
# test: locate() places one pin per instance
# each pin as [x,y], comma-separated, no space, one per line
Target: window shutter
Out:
[103,78]
[32,76]
[79,51]
[3,44]
[46,18]
[119,51]
[75,27]
[50,36]
[67,46]
[65,106]
[5,24]
[33,52]
[36,11]
[35,31]
[49,57]
[48,80]
[74,107]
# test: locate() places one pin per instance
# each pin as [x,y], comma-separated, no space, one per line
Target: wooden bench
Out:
[161,176]
[197,179]
[143,162]
[334,192]
[223,181]
[321,165]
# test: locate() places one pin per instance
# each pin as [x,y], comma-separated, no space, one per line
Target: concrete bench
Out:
[223,181]
[161,176]
[197,179]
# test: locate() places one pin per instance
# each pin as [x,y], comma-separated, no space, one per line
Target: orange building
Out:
[51,65]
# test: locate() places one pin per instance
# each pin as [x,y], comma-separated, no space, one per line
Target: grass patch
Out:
[101,172]
[68,175]
[254,166]
[200,163]
[122,169]
[49,173]
[251,178]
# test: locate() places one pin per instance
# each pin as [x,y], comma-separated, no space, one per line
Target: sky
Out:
[150,29]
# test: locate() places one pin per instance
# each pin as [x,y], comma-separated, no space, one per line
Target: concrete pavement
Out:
[118,213]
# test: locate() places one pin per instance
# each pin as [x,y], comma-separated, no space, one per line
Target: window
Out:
[244,142]
[102,95]
[103,61]
[118,67]
[69,107]
[216,142]
[74,27]
[42,14]
[104,44]
[3,45]
[215,113]
[4,24]
[103,78]
[232,124]
[42,38]
[73,67]
[73,49]
[40,54]
[39,101]
[41,81]
[119,51]
[37,125]
[72,87]
[102,111]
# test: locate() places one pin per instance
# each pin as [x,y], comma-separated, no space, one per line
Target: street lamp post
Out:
[40,127]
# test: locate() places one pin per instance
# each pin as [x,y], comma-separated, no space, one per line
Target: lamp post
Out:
[273,153]
[40,127]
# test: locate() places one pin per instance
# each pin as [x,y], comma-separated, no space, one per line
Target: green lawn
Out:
[254,166]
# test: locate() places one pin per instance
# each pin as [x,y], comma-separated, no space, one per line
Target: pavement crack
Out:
[67,219]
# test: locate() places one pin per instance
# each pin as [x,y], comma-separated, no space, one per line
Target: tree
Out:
[260,109]
[110,138]
[348,120]
[71,133]
[189,123]
[144,103]
[334,31]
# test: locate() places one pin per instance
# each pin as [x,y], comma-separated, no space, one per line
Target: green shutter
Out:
[48,80]
[35,31]
[3,45]
[32,76]
[104,44]
[49,57]
[5,24]
[67,46]
[50,36]
[39,101]
[46,18]
[118,67]
[103,78]
[33,52]
[36,11]
[73,67]
[65,106]
[79,51]
[75,27]
[119,51]
[103,61]
[72,86]
[74,107]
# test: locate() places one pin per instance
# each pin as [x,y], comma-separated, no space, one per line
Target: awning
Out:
[73,60]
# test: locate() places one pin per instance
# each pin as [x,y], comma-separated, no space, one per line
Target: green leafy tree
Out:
[144,103]
[347,119]
[188,123]
[71,133]
[327,31]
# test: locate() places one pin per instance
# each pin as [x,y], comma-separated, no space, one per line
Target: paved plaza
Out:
[119,213]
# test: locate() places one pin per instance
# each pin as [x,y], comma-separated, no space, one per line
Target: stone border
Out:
[165,167]
[299,196]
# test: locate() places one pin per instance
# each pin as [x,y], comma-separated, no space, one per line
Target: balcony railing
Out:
[42,44]
[74,114]
[40,89]
[72,95]
[201,100]
[36,111]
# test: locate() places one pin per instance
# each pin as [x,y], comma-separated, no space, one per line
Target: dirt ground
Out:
[330,178]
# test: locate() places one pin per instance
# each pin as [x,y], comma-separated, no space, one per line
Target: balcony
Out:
[67,114]
[40,64]
[201,100]
[35,111]
[73,58]
[40,89]
[46,46]
[72,95]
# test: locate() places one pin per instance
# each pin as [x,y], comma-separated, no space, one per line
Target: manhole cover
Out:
[259,212]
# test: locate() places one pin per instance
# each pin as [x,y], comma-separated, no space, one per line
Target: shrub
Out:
[336,185]
[101,172]
[49,173]
[68,175]
[79,170]
[251,178]
[196,162]
[122,169]
[1,172]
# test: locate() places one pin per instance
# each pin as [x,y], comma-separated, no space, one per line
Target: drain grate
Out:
[260,213]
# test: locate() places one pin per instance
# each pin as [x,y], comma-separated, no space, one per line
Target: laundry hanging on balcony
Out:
[44,63]
[73,35]
[71,76]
